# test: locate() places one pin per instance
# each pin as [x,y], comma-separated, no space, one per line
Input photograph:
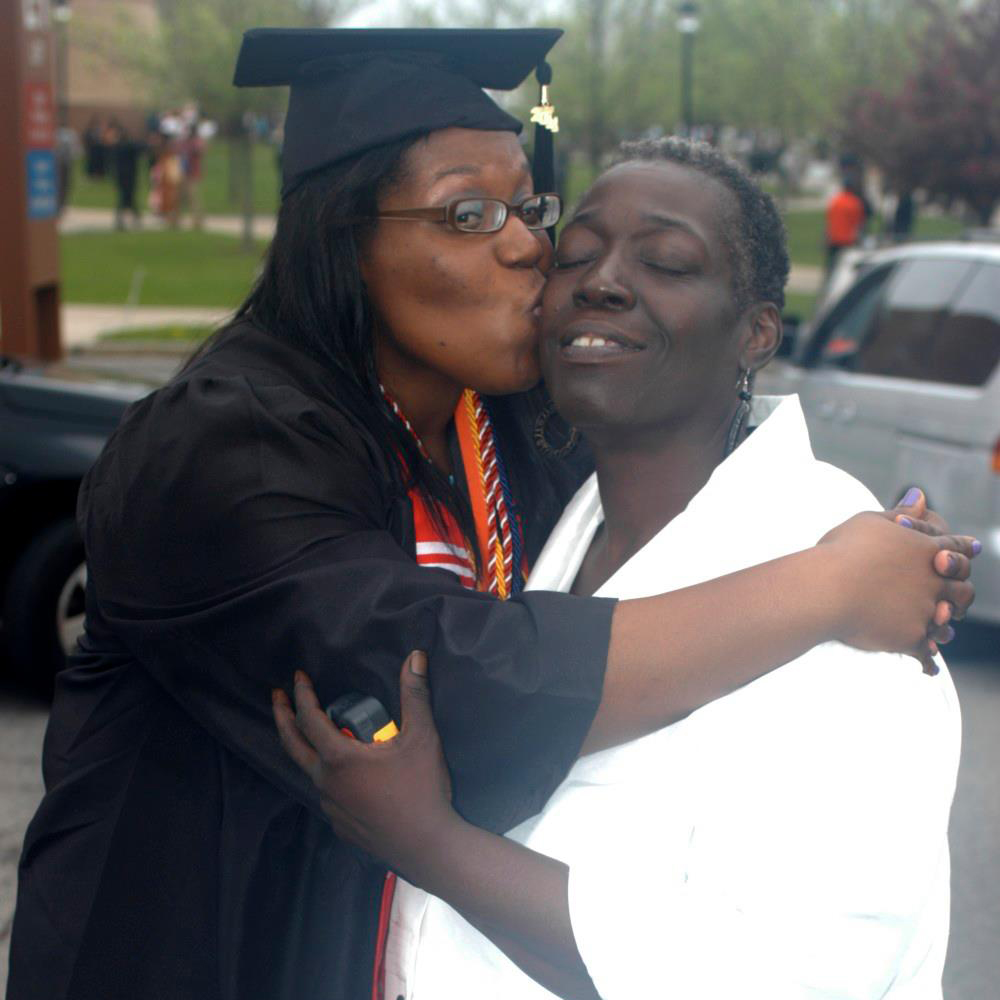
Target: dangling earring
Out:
[742,412]
[542,442]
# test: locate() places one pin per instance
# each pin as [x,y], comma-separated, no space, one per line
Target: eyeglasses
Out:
[486,215]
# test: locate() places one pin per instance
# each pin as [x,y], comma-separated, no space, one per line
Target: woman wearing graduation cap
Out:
[321,489]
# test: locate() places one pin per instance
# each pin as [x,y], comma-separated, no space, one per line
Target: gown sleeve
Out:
[236,531]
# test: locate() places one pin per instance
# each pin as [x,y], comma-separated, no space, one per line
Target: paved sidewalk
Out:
[78,220]
[22,727]
[805,278]
[84,324]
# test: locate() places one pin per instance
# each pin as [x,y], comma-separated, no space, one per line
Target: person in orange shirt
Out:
[845,220]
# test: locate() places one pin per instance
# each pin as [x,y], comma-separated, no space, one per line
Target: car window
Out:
[891,329]
[900,339]
[850,322]
[967,345]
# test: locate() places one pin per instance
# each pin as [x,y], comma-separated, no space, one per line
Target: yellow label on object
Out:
[386,733]
[545,115]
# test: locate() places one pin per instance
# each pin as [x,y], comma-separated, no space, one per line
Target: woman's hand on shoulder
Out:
[912,512]
[899,580]
[392,799]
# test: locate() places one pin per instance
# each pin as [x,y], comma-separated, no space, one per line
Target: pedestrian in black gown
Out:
[124,154]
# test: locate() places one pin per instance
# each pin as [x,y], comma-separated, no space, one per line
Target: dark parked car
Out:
[51,431]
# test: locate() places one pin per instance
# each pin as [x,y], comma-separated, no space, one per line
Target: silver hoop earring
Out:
[742,413]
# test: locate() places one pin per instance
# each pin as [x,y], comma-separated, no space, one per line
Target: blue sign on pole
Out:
[42,184]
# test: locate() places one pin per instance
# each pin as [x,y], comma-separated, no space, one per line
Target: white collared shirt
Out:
[786,842]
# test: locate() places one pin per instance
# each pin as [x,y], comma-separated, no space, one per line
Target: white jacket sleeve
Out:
[816,861]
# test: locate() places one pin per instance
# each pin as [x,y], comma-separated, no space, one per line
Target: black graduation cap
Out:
[353,89]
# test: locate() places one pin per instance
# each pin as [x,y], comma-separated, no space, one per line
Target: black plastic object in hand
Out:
[362,717]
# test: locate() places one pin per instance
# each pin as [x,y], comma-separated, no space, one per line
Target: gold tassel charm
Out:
[544,114]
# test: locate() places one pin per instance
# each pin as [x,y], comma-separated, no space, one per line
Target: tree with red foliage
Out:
[941,130]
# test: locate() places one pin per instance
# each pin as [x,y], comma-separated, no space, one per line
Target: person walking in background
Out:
[67,150]
[904,217]
[192,150]
[166,176]
[123,158]
[845,221]
[94,150]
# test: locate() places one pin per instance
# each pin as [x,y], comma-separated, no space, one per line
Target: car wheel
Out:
[43,609]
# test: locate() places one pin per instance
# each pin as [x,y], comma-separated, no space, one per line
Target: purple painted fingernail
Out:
[904,521]
[949,634]
[977,546]
[912,496]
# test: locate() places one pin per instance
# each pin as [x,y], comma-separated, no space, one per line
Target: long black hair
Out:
[310,293]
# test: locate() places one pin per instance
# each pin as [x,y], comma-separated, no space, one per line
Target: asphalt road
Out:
[973,969]
[22,725]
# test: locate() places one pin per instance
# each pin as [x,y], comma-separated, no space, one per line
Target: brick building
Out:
[93,78]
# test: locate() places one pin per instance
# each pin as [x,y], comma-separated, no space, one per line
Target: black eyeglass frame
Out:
[448,213]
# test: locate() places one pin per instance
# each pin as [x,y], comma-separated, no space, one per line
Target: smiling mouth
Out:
[596,346]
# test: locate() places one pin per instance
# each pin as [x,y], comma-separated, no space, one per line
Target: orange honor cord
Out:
[382,936]
[448,550]
[466,426]
[489,508]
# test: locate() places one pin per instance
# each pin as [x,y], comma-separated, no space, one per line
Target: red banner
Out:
[39,115]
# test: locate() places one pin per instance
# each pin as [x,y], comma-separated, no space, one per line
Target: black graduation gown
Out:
[240,525]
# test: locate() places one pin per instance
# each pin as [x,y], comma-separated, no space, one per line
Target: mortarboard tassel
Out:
[546,123]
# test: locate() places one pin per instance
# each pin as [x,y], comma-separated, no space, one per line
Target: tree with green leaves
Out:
[939,129]
[780,66]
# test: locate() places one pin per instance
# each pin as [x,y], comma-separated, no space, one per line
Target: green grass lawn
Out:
[162,268]
[86,192]
[182,268]
[159,334]
[799,304]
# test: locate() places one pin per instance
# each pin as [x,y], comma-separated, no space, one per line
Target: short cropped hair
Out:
[757,243]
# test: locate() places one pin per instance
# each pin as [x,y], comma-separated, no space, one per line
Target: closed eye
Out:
[677,271]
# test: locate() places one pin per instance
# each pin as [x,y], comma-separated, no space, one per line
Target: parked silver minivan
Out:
[899,377]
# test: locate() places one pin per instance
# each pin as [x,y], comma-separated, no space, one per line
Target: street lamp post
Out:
[688,24]
[61,14]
